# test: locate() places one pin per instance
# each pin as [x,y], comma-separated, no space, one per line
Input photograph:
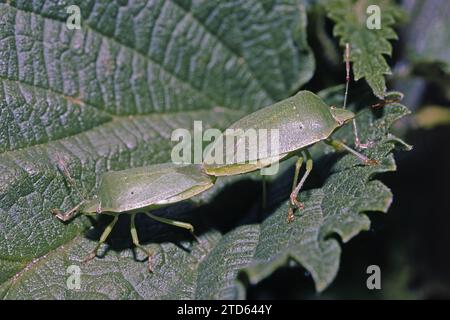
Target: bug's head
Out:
[91,207]
[342,116]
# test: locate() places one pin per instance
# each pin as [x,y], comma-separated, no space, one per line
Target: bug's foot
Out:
[363,146]
[89,257]
[195,237]
[296,203]
[290,216]
[150,264]
[371,162]
[58,213]
[299,204]
[293,203]
[61,215]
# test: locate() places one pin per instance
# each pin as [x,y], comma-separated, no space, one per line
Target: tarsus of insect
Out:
[302,120]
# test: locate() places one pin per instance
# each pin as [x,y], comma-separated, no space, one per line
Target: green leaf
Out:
[108,96]
[211,268]
[368,46]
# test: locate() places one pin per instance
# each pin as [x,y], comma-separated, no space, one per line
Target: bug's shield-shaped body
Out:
[298,122]
[149,187]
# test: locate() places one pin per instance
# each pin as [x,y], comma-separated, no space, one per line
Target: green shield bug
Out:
[141,189]
[300,121]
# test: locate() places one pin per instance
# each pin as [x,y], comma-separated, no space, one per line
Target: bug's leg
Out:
[340,145]
[298,166]
[296,190]
[65,216]
[358,143]
[135,238]
[347,72]
[293,198]
[175,223]
[102,240]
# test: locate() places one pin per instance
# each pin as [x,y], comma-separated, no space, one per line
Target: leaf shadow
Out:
[225,212]
[222,214]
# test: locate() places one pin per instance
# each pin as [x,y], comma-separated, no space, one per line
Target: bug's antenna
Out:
[71,181]
[347,72]
[358,143]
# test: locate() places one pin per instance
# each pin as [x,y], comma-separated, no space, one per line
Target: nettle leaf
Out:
[368,46]
[220,263]
[108,96]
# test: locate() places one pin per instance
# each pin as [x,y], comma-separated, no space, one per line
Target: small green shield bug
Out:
[141,189]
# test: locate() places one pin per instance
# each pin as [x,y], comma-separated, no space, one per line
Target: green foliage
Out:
[367,45]
[108,96]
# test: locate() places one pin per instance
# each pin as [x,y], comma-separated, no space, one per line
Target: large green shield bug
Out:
[141,189]
[300,121]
